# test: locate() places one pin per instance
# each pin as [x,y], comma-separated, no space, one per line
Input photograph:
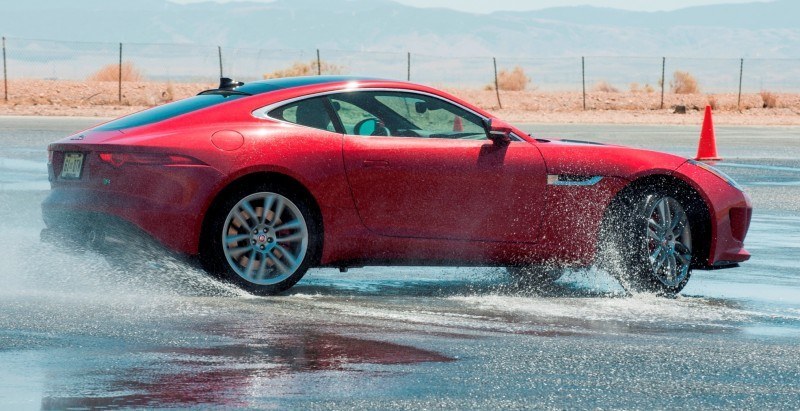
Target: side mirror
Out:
[497,131]
[370,127]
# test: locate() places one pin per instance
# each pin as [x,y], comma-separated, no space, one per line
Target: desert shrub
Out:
[770,100]
[605,87]
[514,80]
[712,101]
[635,88]
[168,94]
[310,68]
[110,72]
[684,82]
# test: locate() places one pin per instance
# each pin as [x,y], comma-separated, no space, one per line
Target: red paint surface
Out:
[395,200]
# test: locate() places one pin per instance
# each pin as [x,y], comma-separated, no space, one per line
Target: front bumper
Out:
[730,210]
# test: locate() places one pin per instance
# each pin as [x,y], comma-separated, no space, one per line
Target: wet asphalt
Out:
[83,331]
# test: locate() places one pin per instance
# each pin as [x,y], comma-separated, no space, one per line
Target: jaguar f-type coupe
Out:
[261,181]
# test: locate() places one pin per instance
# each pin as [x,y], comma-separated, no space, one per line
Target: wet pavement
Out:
[80,331]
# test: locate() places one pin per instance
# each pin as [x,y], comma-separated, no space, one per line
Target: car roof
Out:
[266,86]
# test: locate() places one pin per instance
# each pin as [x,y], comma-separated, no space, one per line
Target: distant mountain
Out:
[769,30]
[756,15]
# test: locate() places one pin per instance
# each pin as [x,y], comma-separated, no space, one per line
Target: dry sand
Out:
[101,99]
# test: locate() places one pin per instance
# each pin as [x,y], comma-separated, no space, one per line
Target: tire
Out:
[534,276]
[262,238]
[647,243]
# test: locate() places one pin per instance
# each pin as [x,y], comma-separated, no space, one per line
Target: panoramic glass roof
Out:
[265,86]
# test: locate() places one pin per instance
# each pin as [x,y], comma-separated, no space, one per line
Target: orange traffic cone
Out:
[707,150]
[458,124]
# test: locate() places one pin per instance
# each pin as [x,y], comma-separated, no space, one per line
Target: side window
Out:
[433,117]
[310,113]
[352,117]
[401,114]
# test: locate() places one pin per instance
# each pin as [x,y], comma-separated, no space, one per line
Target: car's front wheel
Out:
[650,240]
[263,239]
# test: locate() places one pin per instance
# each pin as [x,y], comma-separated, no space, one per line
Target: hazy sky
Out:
[478,6]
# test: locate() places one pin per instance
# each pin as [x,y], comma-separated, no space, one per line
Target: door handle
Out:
[375,163]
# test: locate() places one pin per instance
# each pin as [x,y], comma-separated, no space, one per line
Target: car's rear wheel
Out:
[263,239]
[651,238]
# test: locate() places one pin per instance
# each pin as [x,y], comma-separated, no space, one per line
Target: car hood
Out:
[597,159]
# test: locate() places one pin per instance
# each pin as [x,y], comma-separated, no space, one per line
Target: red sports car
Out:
[262,181]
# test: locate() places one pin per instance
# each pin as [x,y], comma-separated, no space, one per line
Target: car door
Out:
[419,166]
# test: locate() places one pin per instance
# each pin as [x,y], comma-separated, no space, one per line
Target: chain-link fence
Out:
[113,71]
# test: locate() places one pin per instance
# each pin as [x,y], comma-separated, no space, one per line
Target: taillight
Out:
[147,159]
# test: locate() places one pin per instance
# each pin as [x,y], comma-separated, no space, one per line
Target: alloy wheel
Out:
[265,238]
[669,242]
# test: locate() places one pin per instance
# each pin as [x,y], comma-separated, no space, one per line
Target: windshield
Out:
[167,111]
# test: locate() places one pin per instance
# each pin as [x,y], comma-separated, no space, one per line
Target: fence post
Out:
[741,76]
[408,78]
[5,72]
[663,79]
[319,64]
[219,53]
[119,84]
[583,77]
[496,83]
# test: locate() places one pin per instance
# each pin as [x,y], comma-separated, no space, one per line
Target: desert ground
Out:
[102,99]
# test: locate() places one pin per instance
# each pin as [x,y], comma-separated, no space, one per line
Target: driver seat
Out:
[313,113]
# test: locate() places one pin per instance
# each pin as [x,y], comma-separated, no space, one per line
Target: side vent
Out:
[572,180]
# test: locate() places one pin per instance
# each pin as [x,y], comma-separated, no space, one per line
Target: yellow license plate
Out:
[73,165]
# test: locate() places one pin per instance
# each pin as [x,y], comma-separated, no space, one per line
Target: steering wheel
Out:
[370,127]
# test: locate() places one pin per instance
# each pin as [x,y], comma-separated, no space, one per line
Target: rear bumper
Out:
[81,215]
[81,231]
[166,202]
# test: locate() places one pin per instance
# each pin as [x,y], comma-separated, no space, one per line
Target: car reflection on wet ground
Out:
[80,331]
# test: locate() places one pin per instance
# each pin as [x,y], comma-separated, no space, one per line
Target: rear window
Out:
[310,113]
[167,111]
